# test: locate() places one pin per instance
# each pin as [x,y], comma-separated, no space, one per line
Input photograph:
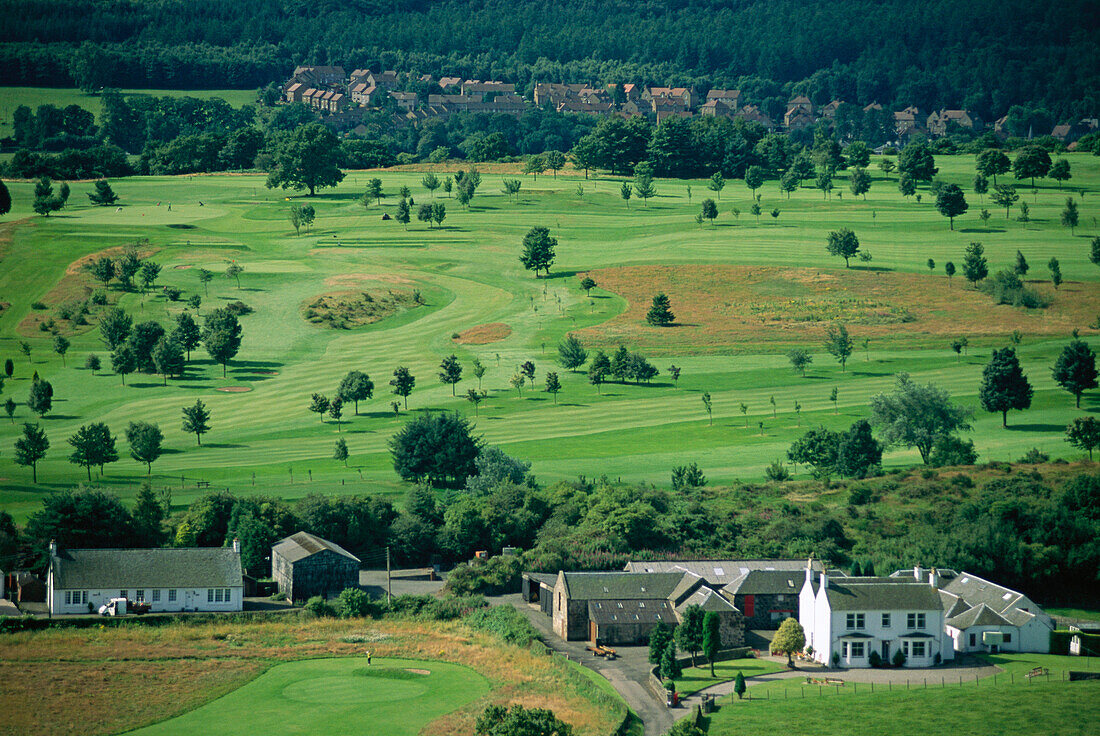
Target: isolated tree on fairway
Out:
[981,186]
[917,161]
[336,410]
[534,165]
[103,194]
[555,161]
[689,634]
[5,199]
[709,407]
[356,386]
[438,448]
[571,353]
[717,183]
[951,203]
[949,269]
[1059,171]
[150,272]
[1082,433]
[478,369]
[187,333]
[839,343]
[9,409]
[709,210]
[626,191]
[123,361]
[430,182]
[817,449]
[1004,386]
[1005,196]
[403,213]
[907,185]
[222,337]
[168,357]
[475,397]
[1070,215]
[424,213]
[205,277]
[340,451]
[146,442]
[93,445]
[599,370]
[1055,272]
[712,637]
[40,400]
[1020,268]
[439,213]
[800,359]
[789,182]
[843,243]
[61,346]
[306,158]
[992,162]
[553,385]
[858,452]
[403,383]
[538,250]
[1031,162]
[975,267]
[234,271]
[660,312]
[93,363]
[196,420]
[1075,369]
[450,371]
[859,181]
[790,638]
[643,182]
[294,214]
[31,447]
[754,178]
[374,191]
[9,367]
[914,415]
[319,404]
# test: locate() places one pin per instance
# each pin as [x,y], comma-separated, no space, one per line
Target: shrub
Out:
[962,480]
[172,293]
[859,495]
[874,659]
[953,451]
[38,305]
[898,658]
[319,607]
[496,576]
[1006,288]
[47,324]
[99,297]
[354,603]
[1035,456]
[504,622]
[777,471]
[238,308]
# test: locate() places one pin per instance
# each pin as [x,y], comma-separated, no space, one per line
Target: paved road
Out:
[413,582]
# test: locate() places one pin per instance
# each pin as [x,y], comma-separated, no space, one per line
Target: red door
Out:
[750,606]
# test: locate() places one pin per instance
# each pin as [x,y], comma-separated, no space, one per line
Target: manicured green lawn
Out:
[695,679]
[266,440]
[335,696]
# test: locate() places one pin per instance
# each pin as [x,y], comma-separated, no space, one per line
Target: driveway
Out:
[413,582]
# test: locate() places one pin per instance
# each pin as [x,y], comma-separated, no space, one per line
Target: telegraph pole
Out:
[389,591]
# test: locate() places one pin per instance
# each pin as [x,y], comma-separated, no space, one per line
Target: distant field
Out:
[32,97]
[743,292]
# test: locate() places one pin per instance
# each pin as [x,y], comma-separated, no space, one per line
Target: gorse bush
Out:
[1006,288]
[505,622]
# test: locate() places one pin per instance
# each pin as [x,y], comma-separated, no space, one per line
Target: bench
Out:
[1037,672]
[829,681]
[601,651]
[202,484]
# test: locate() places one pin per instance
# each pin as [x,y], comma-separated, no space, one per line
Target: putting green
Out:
[391,697]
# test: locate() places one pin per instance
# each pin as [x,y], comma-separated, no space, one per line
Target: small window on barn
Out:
[228,595]
[156,596]
[209,595]
[139,595]
[641,604]
[172,595]
[122,594]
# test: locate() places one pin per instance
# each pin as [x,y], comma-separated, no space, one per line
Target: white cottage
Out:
[856,617]
[168,579]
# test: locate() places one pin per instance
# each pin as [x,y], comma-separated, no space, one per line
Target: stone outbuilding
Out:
[304,565]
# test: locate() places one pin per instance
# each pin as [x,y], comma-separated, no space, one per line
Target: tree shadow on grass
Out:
[67,417]
[171,451]
[879,269]
[876,374]
[1036,427]
[980,230]
[225,446]
[158,384]
[560,275]
[243,365]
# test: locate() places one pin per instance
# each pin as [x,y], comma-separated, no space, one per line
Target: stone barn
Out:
[305,565]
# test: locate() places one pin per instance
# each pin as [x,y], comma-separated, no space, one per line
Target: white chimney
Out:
[918,573]
[236,545]
[53,548]
[934,578]
[824,581]
[809,569]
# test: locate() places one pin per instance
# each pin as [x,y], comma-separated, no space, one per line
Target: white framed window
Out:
[139,595]
[122,594]
[855,621]
[885,620]
[156,596]
[1008,638]
[172,595]
[915,620]
[227,594]
[209,595]
[76,597]
[857,650]
[917,649]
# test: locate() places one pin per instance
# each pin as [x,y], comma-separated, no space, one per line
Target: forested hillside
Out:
[984,55]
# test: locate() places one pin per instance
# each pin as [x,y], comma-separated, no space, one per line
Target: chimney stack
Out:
[918,573]
[53,548]
[934,578]
[236,545]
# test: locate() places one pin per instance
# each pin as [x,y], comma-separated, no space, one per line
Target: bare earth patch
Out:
[234,389]
[719,306]
[484,334]
[355,308]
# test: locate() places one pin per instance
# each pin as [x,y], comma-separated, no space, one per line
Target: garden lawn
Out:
[695,679]
[391,697]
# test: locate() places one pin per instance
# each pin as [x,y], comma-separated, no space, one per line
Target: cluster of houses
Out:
[329,90]
[851,621]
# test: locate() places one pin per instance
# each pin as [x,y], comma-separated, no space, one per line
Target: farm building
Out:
[305,565]
[716,573]
[766,597]
[168,579]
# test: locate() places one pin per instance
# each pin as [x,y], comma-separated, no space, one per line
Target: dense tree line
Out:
[982,55]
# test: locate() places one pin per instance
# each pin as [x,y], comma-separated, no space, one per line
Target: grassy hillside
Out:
[738,319]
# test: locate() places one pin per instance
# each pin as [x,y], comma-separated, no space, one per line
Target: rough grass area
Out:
[484,334]
[89,677]
[721,306]
[349,309]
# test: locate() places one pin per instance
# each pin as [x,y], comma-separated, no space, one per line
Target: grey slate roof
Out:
[633,611]
[767,582]
[977,592]
[882,594]
[190,567]
[590,586]
[303,544]
[708,600]
[547,579]
[979,615]
[717,572]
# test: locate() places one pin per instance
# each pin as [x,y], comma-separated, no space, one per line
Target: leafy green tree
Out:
[403,383]
[843,243]
[123,361]
[340,451]
[817,449]
[150,272]
[518,381]
[306,158]
[336,410]
[1075,369]
[1005,196]
[534,165]
[187,333]
[687,476]
[103,194]
[643,182]
[102,270]
[739,686]
[374,191]
[754,178]
[1031,162]
[790,638]
[670,668]
[571,353]
[839,343]
[1055,272]
[1004,386]
[1094,253]
[538,250]
[859,181]
[403,213]
[599,370]
[438,448]
[319,404]
[916,415]
[450,371]
[717,183]
[659,638]
[1059,171]
[555,161]
[1021,267]
[709,210]
[294,214]
[708,406]
[975,267]
[660,314]
[45,201]
[234,271]
[858,452]
[981,186]
[625,191]
[80,518]
[356,386]
[949,269]
[496,720]
[148,517]
[1082,433]
[430,182]
[858,154]
[907,185]
[146,443]
[205,277]
[712,637]
[689,634]
[478,369]
[424,213]
[168,357]
[93,363]
[9,409]
[196,420]
[5,199]
[439,213]
[31,447]
[993,162]
[222,337]
[93,445]
[951,203]
[61,346]
[40,400]
[800,359]
[475,397]
[917,161]
[1070,215]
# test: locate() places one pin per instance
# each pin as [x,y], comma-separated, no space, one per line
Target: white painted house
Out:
[852,617]
[168,579]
